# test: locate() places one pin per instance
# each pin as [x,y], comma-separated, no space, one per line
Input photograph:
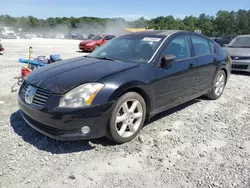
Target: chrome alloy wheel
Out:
[129,118]
[220,84]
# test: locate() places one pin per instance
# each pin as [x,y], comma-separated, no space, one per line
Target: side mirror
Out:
[167,60]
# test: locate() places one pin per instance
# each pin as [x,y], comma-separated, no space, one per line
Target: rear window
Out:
[212,47]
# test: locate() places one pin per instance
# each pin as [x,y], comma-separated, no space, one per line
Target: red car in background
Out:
[1,47]
[95,42]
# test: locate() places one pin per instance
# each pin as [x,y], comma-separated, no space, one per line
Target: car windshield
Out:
[96,37]
[130,48]
[241,41]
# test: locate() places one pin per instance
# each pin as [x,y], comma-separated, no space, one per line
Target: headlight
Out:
[81,96]
[90,44]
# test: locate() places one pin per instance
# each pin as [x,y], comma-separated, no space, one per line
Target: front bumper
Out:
[86,48]
[241,65]
[63,124]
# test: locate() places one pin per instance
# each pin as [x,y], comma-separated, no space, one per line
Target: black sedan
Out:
[114,89]
[224,40]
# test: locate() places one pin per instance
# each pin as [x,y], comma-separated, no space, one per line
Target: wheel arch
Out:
[225,70]
[141,89]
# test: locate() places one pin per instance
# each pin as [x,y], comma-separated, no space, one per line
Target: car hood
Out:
[61,76]
[238,51]
[87,41]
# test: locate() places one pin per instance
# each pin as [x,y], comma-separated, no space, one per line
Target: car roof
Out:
[158,32]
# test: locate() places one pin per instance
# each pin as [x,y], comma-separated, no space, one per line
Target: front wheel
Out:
[218,85]
[127,118]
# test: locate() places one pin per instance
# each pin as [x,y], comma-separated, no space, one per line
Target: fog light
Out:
[85,130]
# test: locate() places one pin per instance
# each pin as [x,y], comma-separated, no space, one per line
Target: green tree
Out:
[224,23]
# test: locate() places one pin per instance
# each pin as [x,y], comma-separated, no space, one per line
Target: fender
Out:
[226,66]
[138,79]
[112,92]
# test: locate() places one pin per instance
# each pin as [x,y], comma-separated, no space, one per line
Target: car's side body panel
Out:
[167,88]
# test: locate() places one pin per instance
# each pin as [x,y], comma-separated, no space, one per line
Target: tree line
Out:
[223,23]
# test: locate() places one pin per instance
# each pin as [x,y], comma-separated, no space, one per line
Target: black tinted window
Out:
[179,47]
[201,46]
[108,37]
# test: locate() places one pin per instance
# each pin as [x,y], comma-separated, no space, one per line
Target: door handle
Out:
[191,66]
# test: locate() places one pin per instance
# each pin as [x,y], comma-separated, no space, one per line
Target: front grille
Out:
[240,57]
[40,96]
[239,66]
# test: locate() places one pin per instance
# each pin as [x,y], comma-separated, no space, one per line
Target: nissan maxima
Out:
[113,90]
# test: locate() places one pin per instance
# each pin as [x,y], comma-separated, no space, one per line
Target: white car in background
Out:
[60,36]
[239,50]
[7,33]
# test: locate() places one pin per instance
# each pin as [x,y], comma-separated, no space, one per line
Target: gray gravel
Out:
[202,143]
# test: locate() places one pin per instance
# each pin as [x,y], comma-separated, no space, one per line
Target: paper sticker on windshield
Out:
[149,39]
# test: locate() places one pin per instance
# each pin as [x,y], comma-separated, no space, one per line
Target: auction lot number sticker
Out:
[150,39]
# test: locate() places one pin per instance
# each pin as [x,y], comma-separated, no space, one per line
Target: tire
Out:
[215,93]
[134,117]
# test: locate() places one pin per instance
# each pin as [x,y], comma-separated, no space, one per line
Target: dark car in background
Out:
[224,40]
[114,89]
[87,36]
[95,42]
[77,36]
[239,50]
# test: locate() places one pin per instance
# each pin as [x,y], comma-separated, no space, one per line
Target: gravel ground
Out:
[202,143]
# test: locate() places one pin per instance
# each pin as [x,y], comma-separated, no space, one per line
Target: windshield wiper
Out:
[106,58]
[239,46]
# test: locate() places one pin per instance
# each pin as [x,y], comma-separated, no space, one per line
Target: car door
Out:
[206,62]
[175,83]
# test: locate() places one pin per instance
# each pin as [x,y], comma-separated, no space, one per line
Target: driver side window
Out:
[179,47]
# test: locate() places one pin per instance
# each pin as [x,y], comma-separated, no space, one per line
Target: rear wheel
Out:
[127,118]
[218,85]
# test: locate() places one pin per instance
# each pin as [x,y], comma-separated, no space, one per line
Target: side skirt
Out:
[157,111]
